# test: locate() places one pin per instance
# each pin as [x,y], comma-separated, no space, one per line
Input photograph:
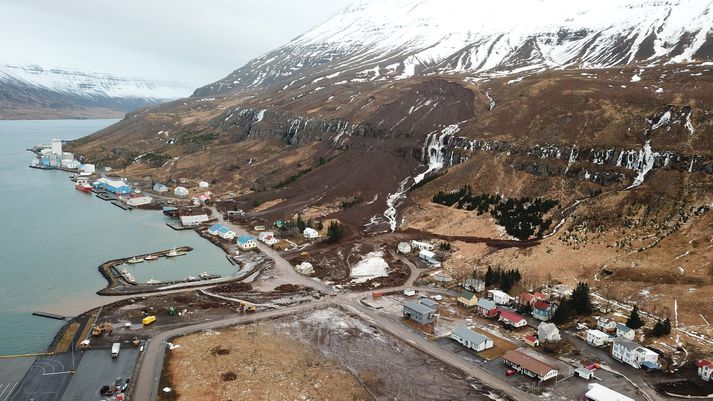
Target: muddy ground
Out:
[325,354]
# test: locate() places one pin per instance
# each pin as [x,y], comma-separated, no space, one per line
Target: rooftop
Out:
[597,392]
[527,362]
[511,316]
[469,335]
[486,304]
[418,307]
[245,238]
[623,327]
[466,294]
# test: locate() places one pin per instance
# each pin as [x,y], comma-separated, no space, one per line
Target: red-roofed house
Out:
[512,319]
[531,340]
[705,369]
[542,310]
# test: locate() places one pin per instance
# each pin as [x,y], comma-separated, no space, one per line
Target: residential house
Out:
[499,297]
[542,310]
[705,369]
[625,331]
[598,338]
[526,299]
[512,319]
[226,233]
[404,248]
[203,185]
[268,237]
[409,292]
[486,307]
[529,365]
[246,242]
[474,284]
[467,299]
[430,303]
[532,340]
[419,312]
[310,233]
[597,392]
[548,332]
[422,245]
[606,324]
[194,220]
[584,373]
[160,188]
[633,354]
[429,257]
[475,341]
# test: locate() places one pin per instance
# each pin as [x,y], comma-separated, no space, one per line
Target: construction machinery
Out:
[171,311]
[102,328]
[148,320]
[246,307]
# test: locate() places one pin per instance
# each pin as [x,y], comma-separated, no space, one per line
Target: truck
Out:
[115,350]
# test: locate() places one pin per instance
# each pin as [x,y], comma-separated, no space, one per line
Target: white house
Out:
[705,369]
[267,237]
[548,332]
[512,319]
[474,284]
[499,297]
[409,292]
[203,185]
[475,341]
[139,200]
[226,233]
[422,245]
[598,338]
[310,233]
[88,168]
[246,242]
[597,392]
[606,324]
[194,220]
[634,354]
[180,191]
[625,331]
[429,257]
[404,248]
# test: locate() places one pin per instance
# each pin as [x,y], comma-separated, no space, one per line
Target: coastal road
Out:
[151,362]
[284,272]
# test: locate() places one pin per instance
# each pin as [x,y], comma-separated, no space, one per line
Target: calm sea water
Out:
[53,238]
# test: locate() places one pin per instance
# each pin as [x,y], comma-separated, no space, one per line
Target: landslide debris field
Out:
[325,354]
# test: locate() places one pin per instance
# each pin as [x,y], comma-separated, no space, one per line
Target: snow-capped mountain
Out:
[32,91]
[396,39]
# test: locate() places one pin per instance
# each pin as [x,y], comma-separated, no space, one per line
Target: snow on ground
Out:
[371,266]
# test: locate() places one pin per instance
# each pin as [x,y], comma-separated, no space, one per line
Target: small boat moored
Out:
[153,281]
[173,252]
[135,260]
[152,257]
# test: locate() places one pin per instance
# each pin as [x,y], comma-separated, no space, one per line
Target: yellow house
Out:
[467,299]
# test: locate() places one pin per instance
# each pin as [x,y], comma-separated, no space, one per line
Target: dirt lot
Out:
[324,354]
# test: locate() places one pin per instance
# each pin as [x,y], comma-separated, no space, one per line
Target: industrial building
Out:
[597,392]
[114,186]
[193,220]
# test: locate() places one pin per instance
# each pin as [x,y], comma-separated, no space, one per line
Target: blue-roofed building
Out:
[246,242]
[214,229]
[226,233]
[113,186]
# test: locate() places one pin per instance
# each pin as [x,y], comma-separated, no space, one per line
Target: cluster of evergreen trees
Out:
[661,328]
[579,303]
[334,232]
[504,279]
[296,227]
[521,217]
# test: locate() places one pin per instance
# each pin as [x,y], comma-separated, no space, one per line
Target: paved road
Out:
[151,363]
[284,272]
[12,370]
[47,378]
[96,369]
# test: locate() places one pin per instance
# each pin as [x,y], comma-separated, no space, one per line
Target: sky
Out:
[192,42]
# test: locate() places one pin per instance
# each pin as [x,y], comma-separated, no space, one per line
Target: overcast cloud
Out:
[195,42]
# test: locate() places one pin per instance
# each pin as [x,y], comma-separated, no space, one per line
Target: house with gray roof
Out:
[420,313]
[486,307]
[625,331]
[475,341]
[633,354]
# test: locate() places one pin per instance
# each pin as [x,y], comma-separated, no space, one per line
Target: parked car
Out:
[509,372]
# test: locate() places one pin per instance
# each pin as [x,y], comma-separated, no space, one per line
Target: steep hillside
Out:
[33,92]
[577,135]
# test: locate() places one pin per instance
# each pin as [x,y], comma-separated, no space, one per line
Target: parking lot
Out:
[12,370]
[98,368]
[46,378]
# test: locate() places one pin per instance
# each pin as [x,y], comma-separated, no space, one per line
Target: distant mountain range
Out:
[377,40]
[35,92]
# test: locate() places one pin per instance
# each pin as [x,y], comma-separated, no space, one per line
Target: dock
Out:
[105,196]
[121,205]
[178,226]
[49,315]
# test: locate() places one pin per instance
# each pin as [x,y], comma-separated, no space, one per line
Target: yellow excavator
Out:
[101,328]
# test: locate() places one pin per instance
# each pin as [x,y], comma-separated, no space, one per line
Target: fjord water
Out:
[53,238]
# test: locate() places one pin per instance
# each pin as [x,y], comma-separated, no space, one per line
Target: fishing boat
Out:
[153,281]
[173,252]
[208,276]
[151,257]
[135,260]
[83,185]
[191,279]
